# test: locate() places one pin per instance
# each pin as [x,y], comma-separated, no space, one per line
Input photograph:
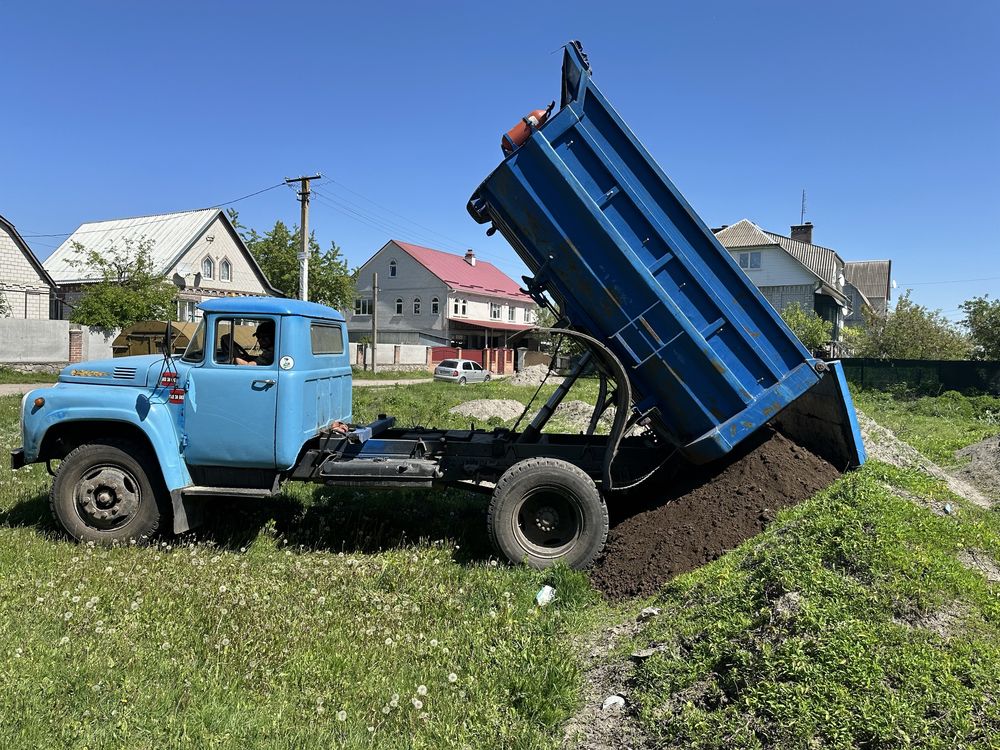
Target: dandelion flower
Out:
[385,709]
[452,677]
[222,589]
[434,642]
[341,715]
[417,703]
[75,599]
[64,640]
[67,615]
[421,690]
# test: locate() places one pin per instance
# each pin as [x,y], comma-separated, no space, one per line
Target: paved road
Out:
[19,389]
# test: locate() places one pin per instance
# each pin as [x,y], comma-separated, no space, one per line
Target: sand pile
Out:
[533,376]
[482,409]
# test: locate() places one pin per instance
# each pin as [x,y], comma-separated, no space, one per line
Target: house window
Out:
[750,260]
[392,269]
[416,305]
[458,306]
[494,311]
[399,305]
[511,310]
[362,306]
[225,271]
[208,268]
[435,306]
[186,310]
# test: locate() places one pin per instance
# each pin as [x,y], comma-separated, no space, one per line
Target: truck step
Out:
[201,491]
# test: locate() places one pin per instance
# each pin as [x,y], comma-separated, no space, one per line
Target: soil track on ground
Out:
[669,527]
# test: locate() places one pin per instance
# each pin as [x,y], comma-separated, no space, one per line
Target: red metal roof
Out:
[492,324]
[482,278]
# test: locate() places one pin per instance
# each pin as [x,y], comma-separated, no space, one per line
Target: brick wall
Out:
[25,291]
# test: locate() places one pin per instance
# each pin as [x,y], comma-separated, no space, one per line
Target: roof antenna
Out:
[802,213]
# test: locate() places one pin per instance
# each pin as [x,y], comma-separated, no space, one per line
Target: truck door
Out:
[231,402]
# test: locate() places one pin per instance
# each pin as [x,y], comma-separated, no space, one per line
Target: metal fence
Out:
[924,375]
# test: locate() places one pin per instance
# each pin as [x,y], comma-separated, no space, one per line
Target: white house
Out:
[434,298]
[200,251]
[24,284]
[793,269]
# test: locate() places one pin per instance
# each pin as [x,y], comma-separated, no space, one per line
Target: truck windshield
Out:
[195,351]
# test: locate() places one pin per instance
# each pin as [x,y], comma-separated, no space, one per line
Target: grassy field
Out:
[8,375]
[359,374]
[937,426]
[360,619]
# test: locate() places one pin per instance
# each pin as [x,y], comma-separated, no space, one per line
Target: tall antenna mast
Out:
[802,213]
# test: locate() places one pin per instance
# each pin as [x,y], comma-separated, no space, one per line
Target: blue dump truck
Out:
[686,349]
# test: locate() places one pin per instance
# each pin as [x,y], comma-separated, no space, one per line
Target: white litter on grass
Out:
[613,703]
[545,596]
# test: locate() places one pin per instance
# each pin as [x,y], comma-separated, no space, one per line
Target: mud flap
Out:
[187,513]
[824,420]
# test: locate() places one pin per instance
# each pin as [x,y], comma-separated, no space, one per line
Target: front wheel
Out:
[545,511]
[103,494]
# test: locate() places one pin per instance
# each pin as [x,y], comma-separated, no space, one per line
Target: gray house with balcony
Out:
[434,298]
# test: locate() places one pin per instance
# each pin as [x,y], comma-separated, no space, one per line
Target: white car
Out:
[461,371]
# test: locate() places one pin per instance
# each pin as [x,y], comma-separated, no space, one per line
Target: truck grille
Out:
[124,373]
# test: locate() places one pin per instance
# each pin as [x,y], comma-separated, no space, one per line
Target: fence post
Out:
[75,345]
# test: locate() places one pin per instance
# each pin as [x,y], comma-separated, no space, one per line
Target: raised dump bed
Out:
[627,260]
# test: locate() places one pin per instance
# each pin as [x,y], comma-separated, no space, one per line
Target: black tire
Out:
[102,493]
[545,511]
[461,380]
[487,378]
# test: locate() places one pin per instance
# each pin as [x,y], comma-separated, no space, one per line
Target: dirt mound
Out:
[506,409]
[534,375]
[883,445]
[703,512]
[983,469]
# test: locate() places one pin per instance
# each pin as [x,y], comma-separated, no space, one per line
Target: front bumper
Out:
[17,458]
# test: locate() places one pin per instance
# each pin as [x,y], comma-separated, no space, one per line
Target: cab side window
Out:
[244,341]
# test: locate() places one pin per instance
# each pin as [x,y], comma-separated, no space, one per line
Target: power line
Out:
[159,218]
[951,281]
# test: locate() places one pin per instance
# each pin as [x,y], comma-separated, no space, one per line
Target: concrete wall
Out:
[25,290]
[31,345]
[392,356]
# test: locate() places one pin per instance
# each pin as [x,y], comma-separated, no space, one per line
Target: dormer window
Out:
[399,305]
[208,268]
[225,270]
[750,260]
[392,269]
[416,306]
[435,306]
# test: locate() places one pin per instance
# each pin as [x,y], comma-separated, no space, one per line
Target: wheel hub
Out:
[547,519]
[107,496]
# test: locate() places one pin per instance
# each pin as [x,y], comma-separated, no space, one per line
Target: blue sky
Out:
[887,113]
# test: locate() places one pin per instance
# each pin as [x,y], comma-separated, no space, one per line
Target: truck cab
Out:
[139,437]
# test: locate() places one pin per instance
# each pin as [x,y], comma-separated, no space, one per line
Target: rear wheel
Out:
[545,511]
[486,379]
[103,494]
[461,380]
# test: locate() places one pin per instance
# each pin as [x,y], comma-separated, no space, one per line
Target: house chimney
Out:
[470,257]
[803,232]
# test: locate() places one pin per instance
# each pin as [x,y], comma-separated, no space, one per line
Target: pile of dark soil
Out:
[667,528]
[983,467]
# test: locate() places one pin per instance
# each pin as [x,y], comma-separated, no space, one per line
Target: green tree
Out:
[811,329]
[912,331]
[129,288]
[982,318]
[331,281]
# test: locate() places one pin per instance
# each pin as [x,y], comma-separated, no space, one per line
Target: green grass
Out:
[842,669]
[937,426]
[427,404]
[8,375]
[358,374]
[282,616]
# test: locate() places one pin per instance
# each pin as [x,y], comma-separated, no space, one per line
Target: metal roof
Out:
[743,233]
[871,277]
[170,234]
[482,278]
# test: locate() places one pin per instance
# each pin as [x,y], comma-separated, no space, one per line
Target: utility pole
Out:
[374,317]
[304,228]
